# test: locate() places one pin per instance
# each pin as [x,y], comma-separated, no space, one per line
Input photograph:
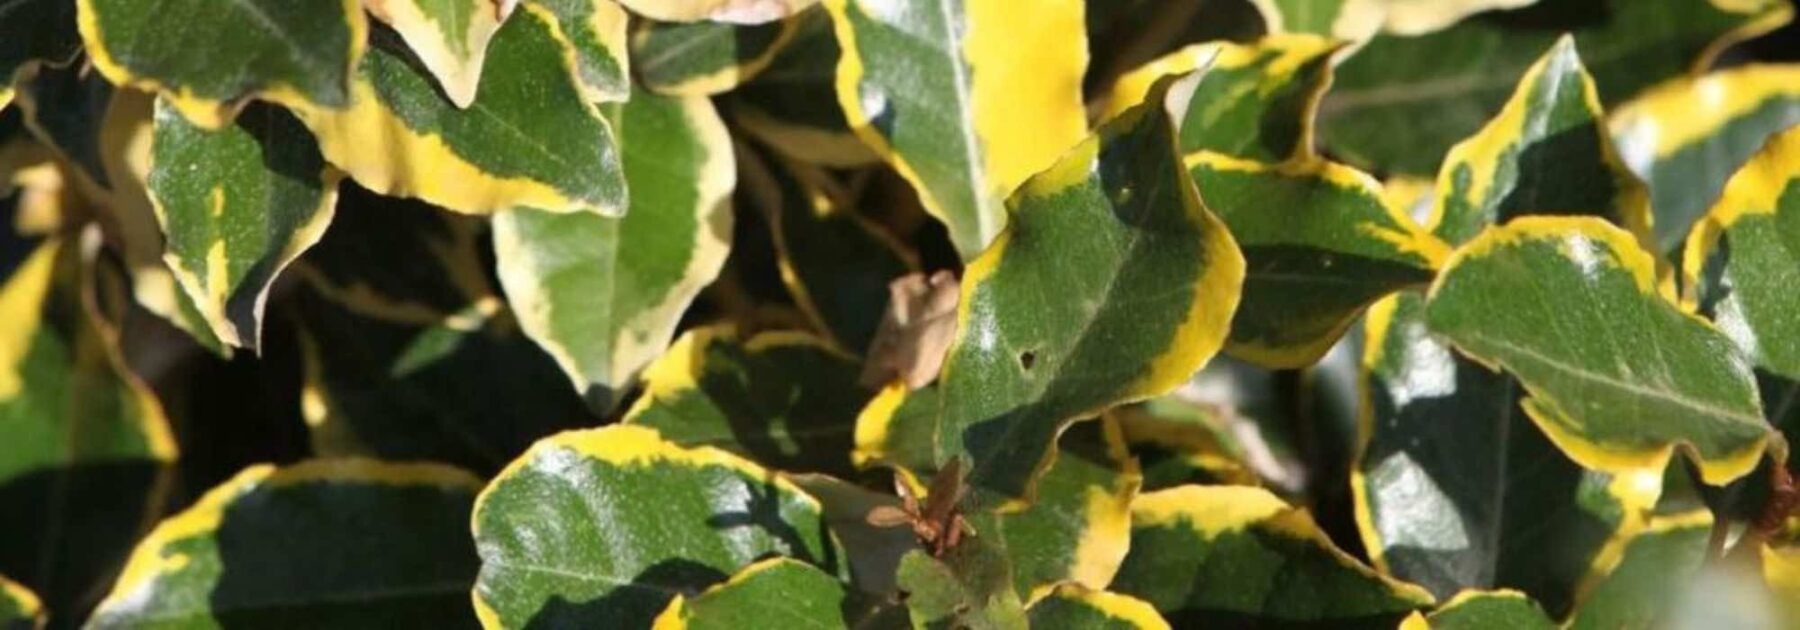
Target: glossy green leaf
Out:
[1252,101]
[88,450]
[606,526]
[450,37]
[836,263]
[357,544]
[1400,102]
[593,32]
[774,593]
[236,206]
[530,138]
[784,399]
[1687,136]
[1319,245]
[1078,608]
[1111,239]
[35,31]
[603,294]
[209,58]
[707,58]
[1206,556]
[969,588]
[729,11]
[1453,479]
[409,351]
[1483,610]
[1565,305]
[1079,527]
[19,607]
[792,106]
[1650,576]
[1546,152]
[966,99]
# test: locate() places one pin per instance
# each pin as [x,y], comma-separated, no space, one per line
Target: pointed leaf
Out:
[88,451]
[297,54]
[449,36]
[965,99]
[730,11]
[408,350]
[707,58]
[784,399]
[1607,399]
[1547,152]
[1079,527]
[1073,606]
[1400,102]
[237,205]
[1234,555]
[1111,239]
[1453,478]
[836,263]
[35,31]
[774,593]
[19,607]
[324,543]
[1687,136]
[1654,569]
[530,138]
[606,526]
[1482,610]
[1253,101]
[593,32]
[603,294]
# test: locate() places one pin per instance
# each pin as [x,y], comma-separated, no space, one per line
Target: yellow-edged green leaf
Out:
[774,593]
[1360,19]
[530,138]
[707,58]
[1483,610]
[324,543]
[1253,101]
[209,58]
[1452,479]
[127,132]
[604,527]
[409,351]
[1076,607]
[730,11]
[236,206]
[1178,442]
[1113,238]
[1688,135]
[88,450]
[1546,152]
[1740,266]
[1207,556]
[1400,102]
[450,37]
[1654,569]
[19,607]
[1126,34]
[969,588]
[966,99]
[34,31]
[1565,304]
[792,104]
[836,263]
[784,399]
[593,34]
[1079,527]
[601,294]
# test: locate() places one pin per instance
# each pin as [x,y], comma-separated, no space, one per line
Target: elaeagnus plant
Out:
[987,314]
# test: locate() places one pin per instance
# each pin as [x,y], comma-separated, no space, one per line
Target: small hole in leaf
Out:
[1027,359]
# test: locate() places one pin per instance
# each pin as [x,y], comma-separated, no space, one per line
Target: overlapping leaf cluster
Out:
[576,313]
